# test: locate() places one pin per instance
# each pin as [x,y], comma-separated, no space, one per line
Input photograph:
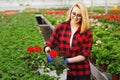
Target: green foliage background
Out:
[17,32]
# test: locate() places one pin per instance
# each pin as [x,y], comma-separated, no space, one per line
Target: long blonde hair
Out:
[84,14]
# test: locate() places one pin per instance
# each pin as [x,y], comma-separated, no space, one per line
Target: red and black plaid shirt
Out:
[81,45]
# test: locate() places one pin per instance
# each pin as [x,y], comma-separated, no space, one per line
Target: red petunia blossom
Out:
[38,48]
[96,17]
[34,49]
[53,53]
[30,49]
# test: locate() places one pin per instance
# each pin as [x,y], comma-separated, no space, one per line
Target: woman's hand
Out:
[49,58]
[66,61]
[47,50]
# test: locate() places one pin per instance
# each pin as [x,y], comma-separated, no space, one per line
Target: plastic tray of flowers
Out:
[37,62]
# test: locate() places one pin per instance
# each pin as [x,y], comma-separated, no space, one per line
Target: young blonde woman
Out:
[74,38]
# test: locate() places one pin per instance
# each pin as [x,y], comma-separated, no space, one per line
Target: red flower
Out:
[53,53]
[38,48]
[34,49]
[30,49]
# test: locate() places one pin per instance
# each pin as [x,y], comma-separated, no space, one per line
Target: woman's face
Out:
[76,15]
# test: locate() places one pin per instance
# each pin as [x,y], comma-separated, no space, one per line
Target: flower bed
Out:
[10,12]
[18,31]
[113,17]
[106,50]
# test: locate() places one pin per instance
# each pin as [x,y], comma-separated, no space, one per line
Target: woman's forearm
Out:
[76,59]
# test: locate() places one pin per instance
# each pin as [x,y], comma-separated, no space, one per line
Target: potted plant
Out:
[94,52]
[103,59]
[114,69]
